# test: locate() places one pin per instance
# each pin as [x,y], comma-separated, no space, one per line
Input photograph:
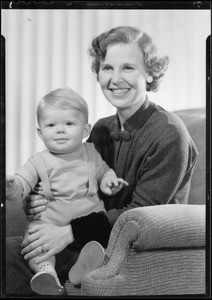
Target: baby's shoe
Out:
[91,257]
[46,282]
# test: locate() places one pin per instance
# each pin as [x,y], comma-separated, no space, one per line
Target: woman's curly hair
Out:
[155,65]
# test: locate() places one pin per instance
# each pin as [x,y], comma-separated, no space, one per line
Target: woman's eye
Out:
[128,68]
[106,68]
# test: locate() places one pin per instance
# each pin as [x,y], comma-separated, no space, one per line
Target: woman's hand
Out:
[46,238]
[33,205]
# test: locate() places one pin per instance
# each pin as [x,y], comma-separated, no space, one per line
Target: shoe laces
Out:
[43,268]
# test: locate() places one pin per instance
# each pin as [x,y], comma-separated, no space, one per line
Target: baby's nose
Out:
[60,128]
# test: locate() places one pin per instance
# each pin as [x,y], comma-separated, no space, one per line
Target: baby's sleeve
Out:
[26,178]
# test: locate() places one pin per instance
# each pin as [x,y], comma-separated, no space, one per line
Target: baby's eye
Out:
[69,123]
[50,125]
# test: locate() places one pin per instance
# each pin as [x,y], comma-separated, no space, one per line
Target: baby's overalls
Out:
[61,212]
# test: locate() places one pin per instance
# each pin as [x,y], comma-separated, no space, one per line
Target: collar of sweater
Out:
[138,119]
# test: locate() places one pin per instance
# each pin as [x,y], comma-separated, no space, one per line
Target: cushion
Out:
[195,121]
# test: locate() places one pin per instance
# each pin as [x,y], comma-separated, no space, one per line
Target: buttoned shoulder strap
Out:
[91,167]
[42,172]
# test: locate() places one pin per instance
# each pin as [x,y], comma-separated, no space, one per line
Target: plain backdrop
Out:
[47,49]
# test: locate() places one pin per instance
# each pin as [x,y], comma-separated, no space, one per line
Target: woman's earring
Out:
[149,79]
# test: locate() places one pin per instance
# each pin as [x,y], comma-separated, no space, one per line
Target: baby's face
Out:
[62,131]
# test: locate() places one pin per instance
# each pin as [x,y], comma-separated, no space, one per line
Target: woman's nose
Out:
[116,77]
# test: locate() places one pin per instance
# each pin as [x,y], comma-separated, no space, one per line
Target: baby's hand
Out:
[9,181]
[112,186]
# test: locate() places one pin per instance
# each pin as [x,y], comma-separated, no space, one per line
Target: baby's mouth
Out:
[61,140]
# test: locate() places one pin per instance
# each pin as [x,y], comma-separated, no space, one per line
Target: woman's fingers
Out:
[37,209]
[44,257]
[38,187]
[33,253]
[33,217]
[41,193]
[30,248]
[30,239]
[34,204]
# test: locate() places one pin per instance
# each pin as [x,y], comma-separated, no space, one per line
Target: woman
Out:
[146,145]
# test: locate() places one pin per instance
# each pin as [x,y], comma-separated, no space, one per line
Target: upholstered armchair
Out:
[157,250]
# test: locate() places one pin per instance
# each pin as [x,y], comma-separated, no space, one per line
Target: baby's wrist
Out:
[11,190]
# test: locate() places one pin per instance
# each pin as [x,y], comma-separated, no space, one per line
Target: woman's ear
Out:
[39,133]
[87,130]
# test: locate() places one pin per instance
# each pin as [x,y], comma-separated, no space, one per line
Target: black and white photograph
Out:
[105,149]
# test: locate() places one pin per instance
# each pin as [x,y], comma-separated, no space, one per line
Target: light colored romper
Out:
[75,183]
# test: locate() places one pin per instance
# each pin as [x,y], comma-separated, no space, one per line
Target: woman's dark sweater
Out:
[155,155]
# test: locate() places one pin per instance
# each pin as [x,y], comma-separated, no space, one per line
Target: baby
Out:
[71,172]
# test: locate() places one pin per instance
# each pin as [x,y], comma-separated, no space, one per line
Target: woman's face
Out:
[122,76]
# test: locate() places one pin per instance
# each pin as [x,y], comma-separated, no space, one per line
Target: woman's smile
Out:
[120,91]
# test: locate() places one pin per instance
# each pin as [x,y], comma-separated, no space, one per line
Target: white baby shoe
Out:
[91,257]
[46,282]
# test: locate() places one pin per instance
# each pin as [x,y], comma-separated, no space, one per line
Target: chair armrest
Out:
[162,226]
[141,242]
[154,227]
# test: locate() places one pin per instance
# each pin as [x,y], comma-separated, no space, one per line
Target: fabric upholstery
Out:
[149,254]
[195,122]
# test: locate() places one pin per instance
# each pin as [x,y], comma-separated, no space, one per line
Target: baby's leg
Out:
[32,262]
[45,281]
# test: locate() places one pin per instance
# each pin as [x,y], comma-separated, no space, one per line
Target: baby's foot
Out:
[46,282]
[91,257]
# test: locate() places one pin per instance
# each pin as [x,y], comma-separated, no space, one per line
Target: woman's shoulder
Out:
[104,126]
[106,121]
[101,130]
[169,124]
[168,118]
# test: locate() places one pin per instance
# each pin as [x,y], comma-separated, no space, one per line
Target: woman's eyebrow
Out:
[105,64]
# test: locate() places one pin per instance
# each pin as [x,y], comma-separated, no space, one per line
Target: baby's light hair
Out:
[63,98]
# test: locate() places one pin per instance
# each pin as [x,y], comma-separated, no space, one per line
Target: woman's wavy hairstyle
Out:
[155,65]
[63,98]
